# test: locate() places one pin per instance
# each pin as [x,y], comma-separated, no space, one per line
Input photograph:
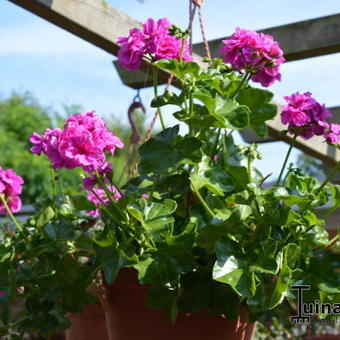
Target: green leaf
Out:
[175,257]
[157,218]
[44,216]
[232,269]
[136,212]
[65,210]
[60,230]
[268,260]
[159,297]
[183,70]
[227,112]
[166,150]
[281,290]
[335,192]
[171,65]
[230,114]
[215,179]
[80,203]
[261,109]
[110,261]
[168,98]
[225,222]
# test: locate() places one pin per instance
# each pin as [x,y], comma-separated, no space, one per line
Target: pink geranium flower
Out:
[154,40]
[82,143]
[257,53]
[304,116]
[10,188]
[331,133]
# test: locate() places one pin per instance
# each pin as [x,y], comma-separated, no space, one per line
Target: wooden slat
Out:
[299,40]
[95,21]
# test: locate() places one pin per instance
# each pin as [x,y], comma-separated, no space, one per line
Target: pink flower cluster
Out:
[307,118]
[254,52]
[10,188]
[82,142]
[153,39]
[99,197]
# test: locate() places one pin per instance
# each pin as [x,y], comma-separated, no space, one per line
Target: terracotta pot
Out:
[88,326]
[126,317]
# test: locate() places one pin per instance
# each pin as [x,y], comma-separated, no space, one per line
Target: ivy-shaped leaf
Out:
[261,108]
[166,150]
[231,268]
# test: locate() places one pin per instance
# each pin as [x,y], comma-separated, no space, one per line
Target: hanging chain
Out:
[205,40]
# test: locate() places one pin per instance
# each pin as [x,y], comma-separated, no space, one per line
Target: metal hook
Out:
[137,98]
[136,104]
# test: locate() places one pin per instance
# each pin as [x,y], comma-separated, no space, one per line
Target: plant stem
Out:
[54,194]
[9,212]
[328,178]
[205,205]
[181,51]
[330,244]
[155,90]
[104,186]
[105,206]
[250,179]
[216,142]
[286,160]
[324,183]
[244,80]
[191,110]
[109,195]
[249,164]
[153,188]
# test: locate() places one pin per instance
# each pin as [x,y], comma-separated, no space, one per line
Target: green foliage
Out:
[166,150]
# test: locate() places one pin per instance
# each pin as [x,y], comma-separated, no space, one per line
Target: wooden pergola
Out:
[100,24]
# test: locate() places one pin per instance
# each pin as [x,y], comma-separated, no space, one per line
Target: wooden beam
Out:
[95,21]
[299,40]
[98,23]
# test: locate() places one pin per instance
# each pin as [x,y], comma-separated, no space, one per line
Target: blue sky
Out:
[59,68]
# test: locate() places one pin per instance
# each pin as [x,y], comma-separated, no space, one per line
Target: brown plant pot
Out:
[88,326]
[128,318]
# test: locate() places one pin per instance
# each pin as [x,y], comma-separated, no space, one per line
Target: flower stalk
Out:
[9,212]
[286,160]
[323,184]
[199,196]
[155,90]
